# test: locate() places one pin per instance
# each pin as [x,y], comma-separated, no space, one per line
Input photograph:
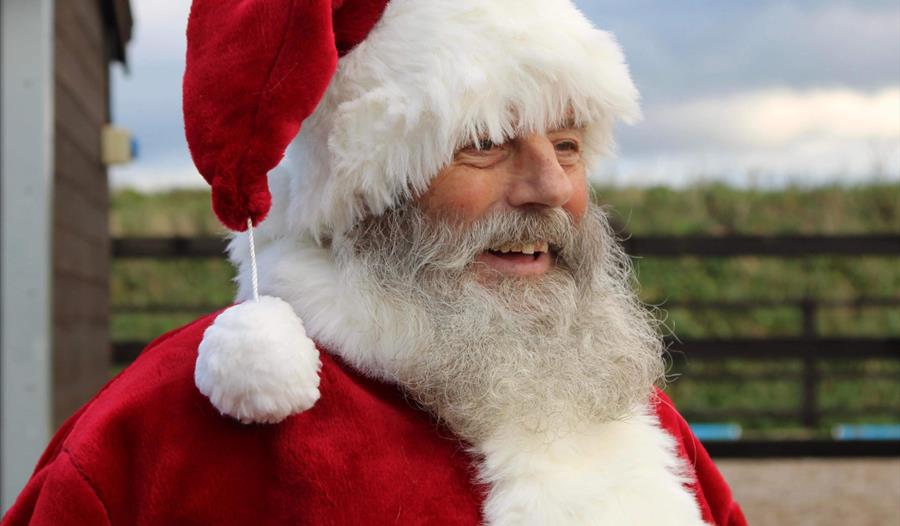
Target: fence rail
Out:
[710,246]
[807,305]
[780,246]
[124,352]
[808,347]
[802,448]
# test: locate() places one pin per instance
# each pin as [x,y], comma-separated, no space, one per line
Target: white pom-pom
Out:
[256,364]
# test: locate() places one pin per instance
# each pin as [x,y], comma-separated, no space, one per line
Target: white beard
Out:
[549,381]
[545,354]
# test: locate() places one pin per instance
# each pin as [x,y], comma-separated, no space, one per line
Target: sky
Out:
[755,93]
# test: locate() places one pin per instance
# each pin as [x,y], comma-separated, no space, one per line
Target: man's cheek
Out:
[577,206]
[462,194]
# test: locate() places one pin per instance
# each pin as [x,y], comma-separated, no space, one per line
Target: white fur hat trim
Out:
[256,364]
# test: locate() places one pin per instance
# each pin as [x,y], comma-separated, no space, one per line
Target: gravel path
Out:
[801,492]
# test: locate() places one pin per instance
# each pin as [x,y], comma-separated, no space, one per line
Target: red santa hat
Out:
[386,92]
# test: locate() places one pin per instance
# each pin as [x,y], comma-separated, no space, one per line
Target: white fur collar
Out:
[620,473]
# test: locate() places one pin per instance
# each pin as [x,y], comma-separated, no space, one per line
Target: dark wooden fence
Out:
[666,246]
[809,348]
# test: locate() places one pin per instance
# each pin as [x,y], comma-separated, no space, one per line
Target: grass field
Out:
[712,210]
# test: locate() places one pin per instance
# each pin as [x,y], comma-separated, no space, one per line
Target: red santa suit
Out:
[242,419]
[151,450]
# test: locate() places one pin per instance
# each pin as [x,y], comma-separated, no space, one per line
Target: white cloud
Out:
[772,118]
[158,174]
[808,163]
[767,137]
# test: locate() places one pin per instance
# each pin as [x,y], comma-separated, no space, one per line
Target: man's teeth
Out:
[529,248]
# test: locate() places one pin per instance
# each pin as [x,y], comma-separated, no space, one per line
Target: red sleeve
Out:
[59,492]
[712,492]
[58,495]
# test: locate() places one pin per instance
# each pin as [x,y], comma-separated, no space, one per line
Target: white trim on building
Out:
[26,168]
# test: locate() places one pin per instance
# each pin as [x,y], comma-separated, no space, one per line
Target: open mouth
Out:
[519,259]
[523,252]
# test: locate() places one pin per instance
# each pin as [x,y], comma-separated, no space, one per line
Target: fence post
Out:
[810,413]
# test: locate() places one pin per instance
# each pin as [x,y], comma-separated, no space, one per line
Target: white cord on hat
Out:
[254,277]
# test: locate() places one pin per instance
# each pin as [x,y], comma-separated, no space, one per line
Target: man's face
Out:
[528,173]
[487,339]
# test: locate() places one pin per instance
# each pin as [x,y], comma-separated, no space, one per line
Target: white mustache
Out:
[446,246]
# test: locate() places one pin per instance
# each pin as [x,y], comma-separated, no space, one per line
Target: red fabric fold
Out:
[255,70]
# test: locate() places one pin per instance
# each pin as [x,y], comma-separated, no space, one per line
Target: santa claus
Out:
[434,323]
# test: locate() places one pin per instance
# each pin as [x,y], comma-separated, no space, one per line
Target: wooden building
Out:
[56,57]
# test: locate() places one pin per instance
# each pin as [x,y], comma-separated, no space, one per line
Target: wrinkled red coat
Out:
[149,449]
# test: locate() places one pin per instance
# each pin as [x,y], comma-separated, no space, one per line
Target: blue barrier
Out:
[717,431]
[866,432]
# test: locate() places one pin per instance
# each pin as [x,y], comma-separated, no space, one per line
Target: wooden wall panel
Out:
[81,247]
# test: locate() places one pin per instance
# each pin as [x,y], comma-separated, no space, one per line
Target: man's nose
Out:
[539,179]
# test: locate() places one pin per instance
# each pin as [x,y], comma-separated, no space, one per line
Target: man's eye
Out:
[567,146]
[482,145]
[488,145]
